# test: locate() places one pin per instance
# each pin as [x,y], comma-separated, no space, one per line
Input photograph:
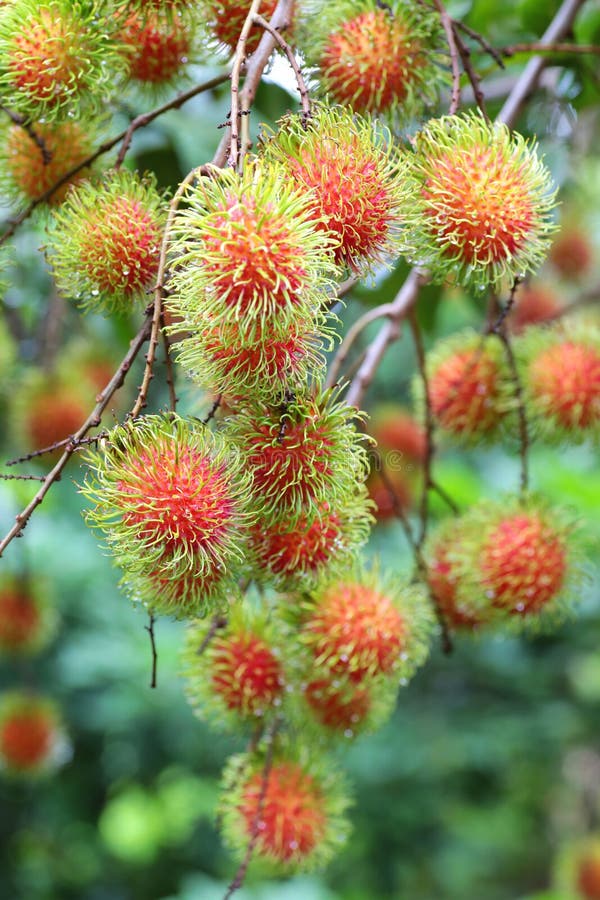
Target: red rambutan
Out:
[31,740]
[160,45]
[26,620]
[572,253]
[534,304]
[225,20]
[105,241]
[483,200]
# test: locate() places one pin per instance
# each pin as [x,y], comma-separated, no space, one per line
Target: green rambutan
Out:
[293,808]
[246,253]
[105,239]
[57,57]
[378,58]
[482,202]
[308,451]
[172,501]
[234,672]
[356,177]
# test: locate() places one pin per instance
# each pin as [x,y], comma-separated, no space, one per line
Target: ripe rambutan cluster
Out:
[356,176]
[505,562]
[172,499]
[32,741]
[246,251]
[377,58]
[294,808]
[561,377]
[470,389]
[104,241]
[482,202]
[57,58]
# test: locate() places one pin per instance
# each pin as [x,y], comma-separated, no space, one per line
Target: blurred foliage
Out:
[490,764]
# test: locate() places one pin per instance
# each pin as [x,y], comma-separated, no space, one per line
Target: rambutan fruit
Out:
[27,622]
[577,874]
[355,176]
[57,58]
[225,20]
[394,428]
[359,626]
[333,706]
[221,361]
[172,501]
[482,202]
[377,58]
[572,253]
[588,877]
[561,376]
[49,408]
[534,304]
[31,737]
[470,389]
[519,556]
[293,553]
[161,45]
[27,174]
[294,809]
[308,451]
[462,610]
[233,669]
[246,253]
[105,239]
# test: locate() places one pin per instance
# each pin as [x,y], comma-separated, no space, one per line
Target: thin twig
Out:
[378,312]
[239,109]
[169,367]
[255,828]
[453,48]
[428,425]
[150,629]
[481,40]
[472,74]
[301,83]
[92,421]
[217,623]
[556,47]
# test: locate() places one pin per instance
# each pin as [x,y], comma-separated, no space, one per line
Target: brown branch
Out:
[27,126]
[169,366]
[255,66]
[92,421]
[140,122]
[481,40]
[236,153]
[454,53]
[301,83]
[556,47]
[471,73]
[379,312]
[217,623]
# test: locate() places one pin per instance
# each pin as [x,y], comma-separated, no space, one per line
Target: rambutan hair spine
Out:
[302,820]
[103,242]
[173,502]
[483,202]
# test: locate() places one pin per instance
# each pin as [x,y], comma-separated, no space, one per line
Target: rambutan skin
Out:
[160,45]
[301,821]
[375,59]
[57,58]
[470,389]
[173,503]
[24,172]
[482,202]
[356,176]
[246,252]
[560,369]
[307,452]
[31,737]
[104,242]
[360,626]
[234,669]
